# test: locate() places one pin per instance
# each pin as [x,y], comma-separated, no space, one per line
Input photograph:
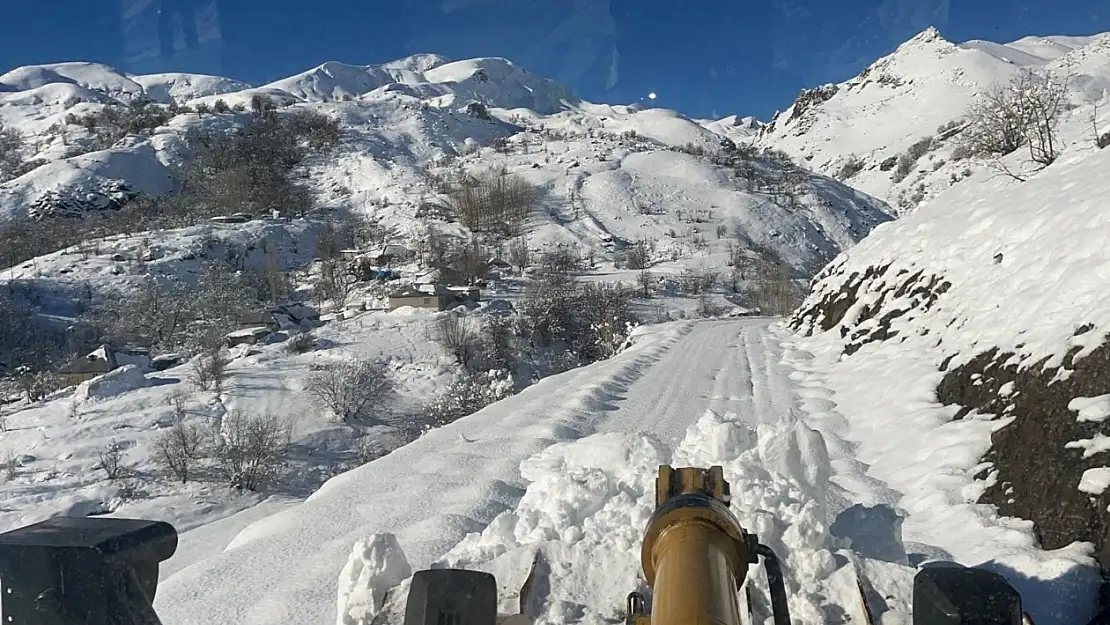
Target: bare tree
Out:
[209,371]
[996,122]
[351,389]
[157,315]
[1045,99]
[495,201]
[251,449]
[519,254]
[277,284]
[560,261]
[110,460]
[473,261]
[460,337]
[178,448]
[332,283]
[1024,111]
[773,292]
[639,255]
[647,281]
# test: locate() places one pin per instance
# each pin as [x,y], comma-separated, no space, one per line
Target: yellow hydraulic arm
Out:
[695,554]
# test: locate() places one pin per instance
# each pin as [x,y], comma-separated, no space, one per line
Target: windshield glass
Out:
[346,291]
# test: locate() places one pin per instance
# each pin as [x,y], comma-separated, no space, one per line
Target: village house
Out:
[433,296]
[257,325]
[101,361]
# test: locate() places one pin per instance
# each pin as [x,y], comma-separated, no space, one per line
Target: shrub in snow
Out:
[376,565]
[591,320]
[110,460]
[300,343]
[460,336]
[209,371]
[9,465]
[468,395]
[368,449]
[499,342]
[251,449]
[178,448]
[351,389]
[907,161]
[852,166]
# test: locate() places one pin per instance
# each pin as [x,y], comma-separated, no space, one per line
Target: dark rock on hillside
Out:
[1035,473]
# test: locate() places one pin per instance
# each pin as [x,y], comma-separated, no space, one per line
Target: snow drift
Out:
[967,330]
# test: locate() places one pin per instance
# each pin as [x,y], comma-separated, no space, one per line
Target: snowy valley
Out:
[370,319]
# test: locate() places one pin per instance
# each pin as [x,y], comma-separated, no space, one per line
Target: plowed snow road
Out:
[724,366]
[455,480]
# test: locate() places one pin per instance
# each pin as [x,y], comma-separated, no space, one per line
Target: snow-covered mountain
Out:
[620,166]
[921,91]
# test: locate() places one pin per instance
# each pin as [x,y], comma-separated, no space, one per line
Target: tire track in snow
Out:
[588,500]
[707,370]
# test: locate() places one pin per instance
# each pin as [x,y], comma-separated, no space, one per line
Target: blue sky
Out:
[702,57]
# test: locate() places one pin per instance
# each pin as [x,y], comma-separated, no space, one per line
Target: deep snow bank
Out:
[990,301]
[588,502]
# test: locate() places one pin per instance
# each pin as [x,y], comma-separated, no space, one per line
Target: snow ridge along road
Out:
[567,468]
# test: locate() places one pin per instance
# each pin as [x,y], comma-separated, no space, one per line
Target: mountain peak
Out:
[928,35]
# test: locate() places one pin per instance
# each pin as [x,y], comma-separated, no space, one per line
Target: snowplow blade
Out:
[452,597]
[964,596]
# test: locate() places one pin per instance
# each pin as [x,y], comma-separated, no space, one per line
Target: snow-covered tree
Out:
[352,389]
[469,394]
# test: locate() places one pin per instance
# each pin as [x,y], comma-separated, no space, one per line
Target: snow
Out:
[181,87]
[910,93]
[1099,443]
[1051,262]
[565,467]
[59,440]
[138,165]
[92,76]
[115,382]
[1025,264]
[1095,481]
[845,478]
[891,444]
[375,566]
[1095,409]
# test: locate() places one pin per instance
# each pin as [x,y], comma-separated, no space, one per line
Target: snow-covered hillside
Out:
[604,171]
[911,95]
[988,300]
